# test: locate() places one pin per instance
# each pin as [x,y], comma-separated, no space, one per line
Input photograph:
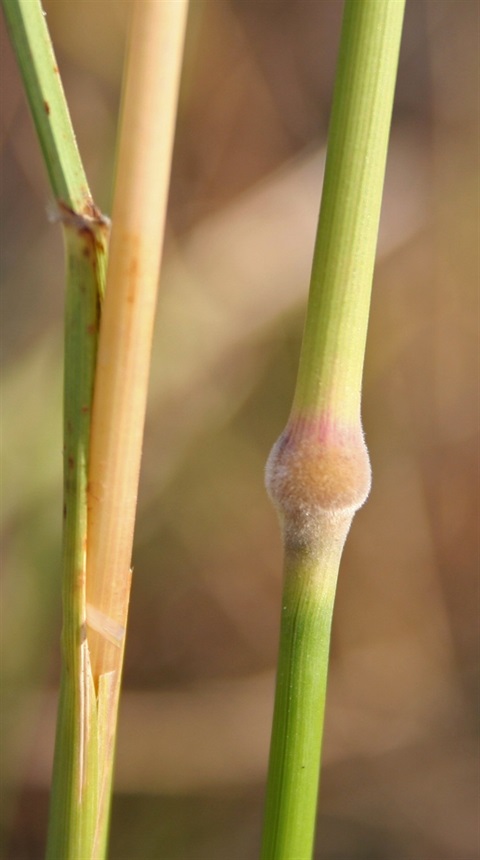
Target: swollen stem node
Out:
[317,476]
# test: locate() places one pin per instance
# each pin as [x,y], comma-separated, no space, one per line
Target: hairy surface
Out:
[313,478]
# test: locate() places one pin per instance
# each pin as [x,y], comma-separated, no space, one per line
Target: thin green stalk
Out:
[318,473]
[74,796]
[34,52]
[73,814]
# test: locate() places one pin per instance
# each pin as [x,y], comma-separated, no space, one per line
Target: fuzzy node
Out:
[312,481]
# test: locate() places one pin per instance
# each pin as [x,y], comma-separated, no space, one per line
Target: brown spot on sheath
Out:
[90,494]
[47,107]
[85,410]
[133,271]
[92,328]
[71,461]
[86,231]
[87,220]
[92,211]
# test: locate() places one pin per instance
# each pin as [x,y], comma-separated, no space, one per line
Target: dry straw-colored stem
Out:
[121,380]
[138,219]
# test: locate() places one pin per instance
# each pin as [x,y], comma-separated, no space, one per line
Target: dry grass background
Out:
[400,778]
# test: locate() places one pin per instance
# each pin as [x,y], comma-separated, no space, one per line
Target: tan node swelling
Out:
[311,480]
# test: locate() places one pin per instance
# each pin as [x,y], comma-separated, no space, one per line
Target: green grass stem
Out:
[318,473]
[336,324]
[73,820]
[31,41]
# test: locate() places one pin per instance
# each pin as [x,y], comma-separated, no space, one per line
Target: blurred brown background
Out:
[400,776]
